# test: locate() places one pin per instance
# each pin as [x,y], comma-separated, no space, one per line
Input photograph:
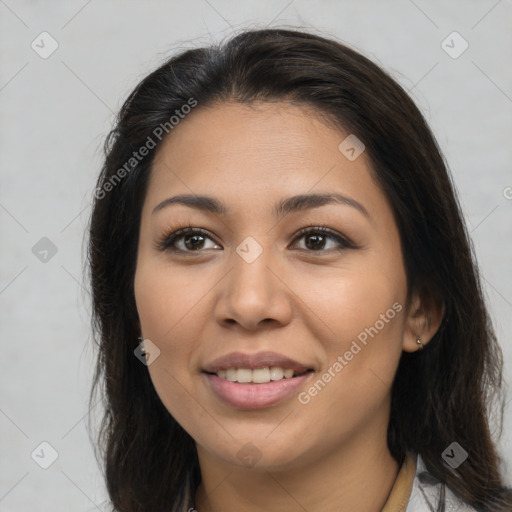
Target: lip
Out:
[254,396]
[257,360]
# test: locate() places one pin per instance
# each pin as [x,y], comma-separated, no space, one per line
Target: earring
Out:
[418,341]
[142,349]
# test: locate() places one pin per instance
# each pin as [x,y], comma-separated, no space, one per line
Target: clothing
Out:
[417,490]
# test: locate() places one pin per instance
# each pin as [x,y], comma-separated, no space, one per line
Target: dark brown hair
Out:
[442,394]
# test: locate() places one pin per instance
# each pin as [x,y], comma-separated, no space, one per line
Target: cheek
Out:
[354,386]
[166,315]
[363,307]
[172,309]
[366,294]
[165,298]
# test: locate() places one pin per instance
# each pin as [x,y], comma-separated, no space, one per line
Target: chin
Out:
[261,454]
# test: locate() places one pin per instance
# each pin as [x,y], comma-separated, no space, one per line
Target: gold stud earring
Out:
[418,341]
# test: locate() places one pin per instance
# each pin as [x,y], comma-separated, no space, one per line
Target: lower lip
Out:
[254,396]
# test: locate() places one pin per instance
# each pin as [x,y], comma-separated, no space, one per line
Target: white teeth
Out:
[244,375]
[257,376]
[231,374]
[260,375]
[276,373]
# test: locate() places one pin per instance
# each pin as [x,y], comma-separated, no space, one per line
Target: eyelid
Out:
[164,243]
[343,240]
[173,234]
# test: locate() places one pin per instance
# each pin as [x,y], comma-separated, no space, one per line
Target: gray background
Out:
[55,113]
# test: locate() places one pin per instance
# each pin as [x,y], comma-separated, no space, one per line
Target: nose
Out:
[254,293]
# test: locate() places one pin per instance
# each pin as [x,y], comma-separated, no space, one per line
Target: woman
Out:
[288,313]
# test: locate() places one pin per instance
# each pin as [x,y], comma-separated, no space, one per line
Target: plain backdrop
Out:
[56,110]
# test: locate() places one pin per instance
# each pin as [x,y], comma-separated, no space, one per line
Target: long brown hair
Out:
[442,394]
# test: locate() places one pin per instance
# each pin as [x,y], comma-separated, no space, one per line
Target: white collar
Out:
[429,494]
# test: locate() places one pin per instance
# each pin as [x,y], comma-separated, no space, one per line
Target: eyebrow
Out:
[282,208]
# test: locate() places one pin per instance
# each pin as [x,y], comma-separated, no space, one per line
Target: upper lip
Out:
[252,361]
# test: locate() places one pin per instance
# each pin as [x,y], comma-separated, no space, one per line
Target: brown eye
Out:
[186,240]
[318,237]
[194,240]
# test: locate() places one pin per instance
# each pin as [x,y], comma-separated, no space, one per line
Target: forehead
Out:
[254,152]
[262,131]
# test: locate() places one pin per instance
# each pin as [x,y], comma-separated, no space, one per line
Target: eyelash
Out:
[165,243]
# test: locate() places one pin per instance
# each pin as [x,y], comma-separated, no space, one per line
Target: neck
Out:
[357,476]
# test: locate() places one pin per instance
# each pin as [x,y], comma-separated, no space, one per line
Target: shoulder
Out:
[431,495]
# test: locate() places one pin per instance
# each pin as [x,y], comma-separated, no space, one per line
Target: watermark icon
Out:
[343,360]
[249,455]
[454,455]
[351,147]
[44,45]
[454,45]
[249,249]
[507,192]
[146,352]
[44,250]
[137,156]
[44,455]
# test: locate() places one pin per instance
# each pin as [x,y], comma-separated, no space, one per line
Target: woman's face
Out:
[250,292]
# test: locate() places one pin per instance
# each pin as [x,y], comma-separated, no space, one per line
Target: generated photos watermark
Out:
[343,360]
[158,133]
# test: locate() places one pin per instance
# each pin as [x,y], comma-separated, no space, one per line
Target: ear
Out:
[424,316]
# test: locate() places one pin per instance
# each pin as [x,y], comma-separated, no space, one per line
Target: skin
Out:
[300,297]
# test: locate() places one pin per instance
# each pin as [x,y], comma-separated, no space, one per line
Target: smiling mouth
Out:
[258,375]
